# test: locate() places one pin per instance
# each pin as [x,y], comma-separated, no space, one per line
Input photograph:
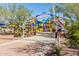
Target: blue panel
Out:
[2,24]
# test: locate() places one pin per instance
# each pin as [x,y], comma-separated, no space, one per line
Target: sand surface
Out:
[21,47]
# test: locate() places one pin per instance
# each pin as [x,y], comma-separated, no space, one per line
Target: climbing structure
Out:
[45,23]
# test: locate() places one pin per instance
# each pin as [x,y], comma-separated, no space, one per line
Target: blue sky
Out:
[38,8]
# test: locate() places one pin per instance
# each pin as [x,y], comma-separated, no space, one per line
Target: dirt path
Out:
[22,46]
[28,46]
[13,47]
[6,38]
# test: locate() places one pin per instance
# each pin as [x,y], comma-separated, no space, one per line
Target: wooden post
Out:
[57,40]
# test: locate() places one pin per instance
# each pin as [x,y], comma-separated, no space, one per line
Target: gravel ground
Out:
[23,48]
[31,46]
[37,45]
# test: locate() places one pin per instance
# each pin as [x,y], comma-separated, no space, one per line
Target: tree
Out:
[70,11]
[15,15]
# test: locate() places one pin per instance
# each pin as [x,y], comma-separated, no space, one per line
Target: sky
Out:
[38,8]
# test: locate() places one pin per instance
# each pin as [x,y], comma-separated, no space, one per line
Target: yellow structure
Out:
[40,27]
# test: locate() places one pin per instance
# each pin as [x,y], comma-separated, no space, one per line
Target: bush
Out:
[18,32]
[55,51]
[73,35]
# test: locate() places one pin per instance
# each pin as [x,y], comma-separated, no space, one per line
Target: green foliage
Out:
[17,29]
[18,32]
[16,16]
[73,35]
[57,50]
[71,12]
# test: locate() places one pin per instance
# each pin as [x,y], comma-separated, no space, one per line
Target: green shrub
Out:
[57,50]
[73,35]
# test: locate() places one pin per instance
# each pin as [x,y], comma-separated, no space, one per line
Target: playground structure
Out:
[42,23]
[46,23]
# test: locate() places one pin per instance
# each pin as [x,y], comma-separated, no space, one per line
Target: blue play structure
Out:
[44,17]
[46,22]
